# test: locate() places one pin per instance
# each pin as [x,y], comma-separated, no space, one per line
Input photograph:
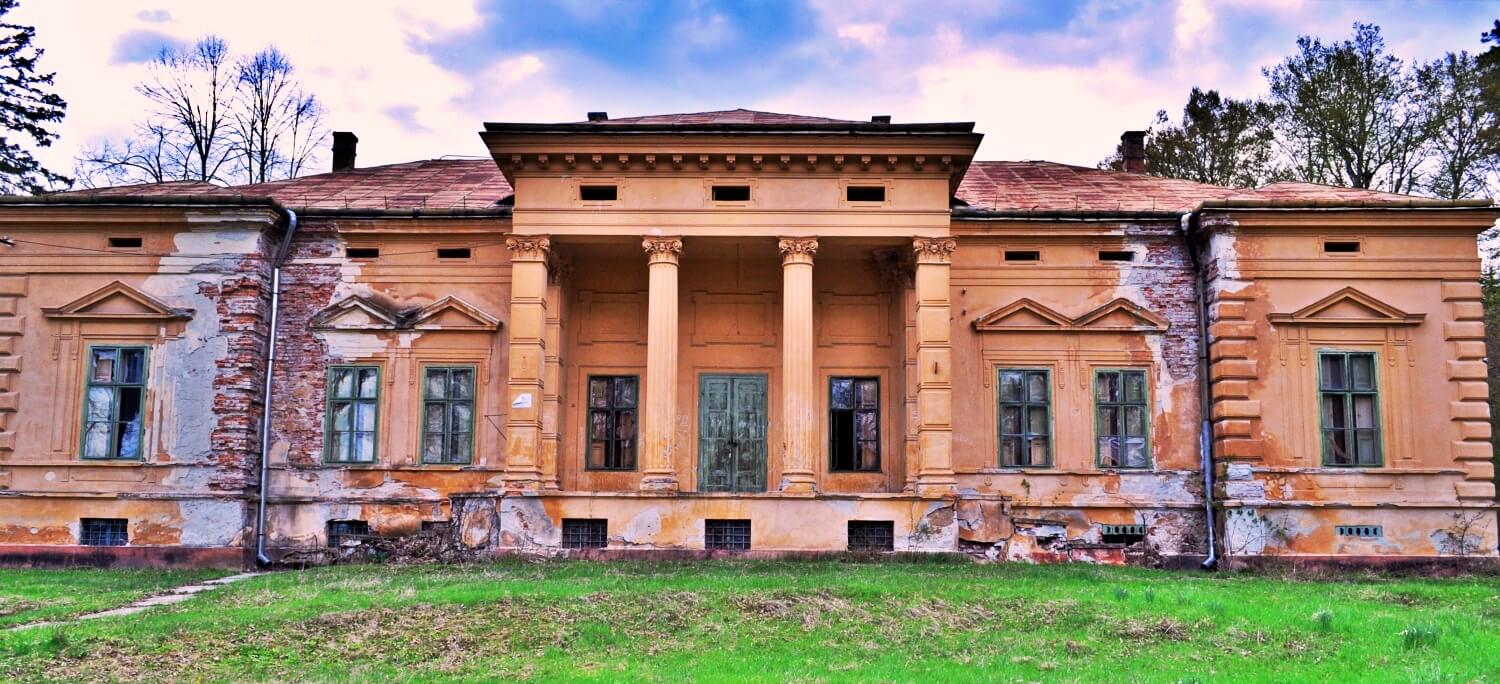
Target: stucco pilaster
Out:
[934,366]
[799,414]
[528,322]
[660,392]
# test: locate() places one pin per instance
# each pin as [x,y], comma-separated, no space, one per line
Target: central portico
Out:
[730,309]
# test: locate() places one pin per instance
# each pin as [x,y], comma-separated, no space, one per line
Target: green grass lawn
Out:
[776,621]
[42,595]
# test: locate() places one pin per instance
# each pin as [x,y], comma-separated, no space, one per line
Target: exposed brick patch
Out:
[242,298]
[1165,280]
[301,371]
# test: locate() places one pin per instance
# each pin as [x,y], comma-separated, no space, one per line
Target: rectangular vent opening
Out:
[1116,255]
[731,193]
[728,535]
[872,535]
[1341,246]
[865,193]
[1022,255]
[1122,534]
[1363,531]
[453,252]
[124,243]
[362,252]
[103,532]
[341,531]
[585,533]
[598,193]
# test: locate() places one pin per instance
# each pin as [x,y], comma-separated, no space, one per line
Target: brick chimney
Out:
[344,143]
[598,116]
[1133,151]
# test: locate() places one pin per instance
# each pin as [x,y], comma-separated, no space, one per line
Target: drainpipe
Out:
[265,420]
[1205,405]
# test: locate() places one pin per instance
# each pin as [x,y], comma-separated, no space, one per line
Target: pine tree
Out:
[27,108]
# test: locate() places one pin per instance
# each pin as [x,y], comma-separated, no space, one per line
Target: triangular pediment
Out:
[354,313]
[1022,314]
[117,301]
[1122,315]
[1348,307]
[1025,315]
[452,313]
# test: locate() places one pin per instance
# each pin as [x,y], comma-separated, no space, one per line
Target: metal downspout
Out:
[1205,405]
[265,419]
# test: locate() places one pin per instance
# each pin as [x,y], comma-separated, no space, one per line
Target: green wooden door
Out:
[732,433]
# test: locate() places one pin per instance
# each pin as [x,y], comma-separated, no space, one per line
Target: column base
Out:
[798,483]
[937,486]
[659,484]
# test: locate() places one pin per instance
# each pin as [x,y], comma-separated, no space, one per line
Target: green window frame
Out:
[854,424]
[613,418]
[1024,417]
[114,404]
[448,415]
[1349,408]
[1122,418]
[352,425]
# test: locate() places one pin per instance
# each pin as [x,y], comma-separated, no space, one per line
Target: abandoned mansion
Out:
[742,332]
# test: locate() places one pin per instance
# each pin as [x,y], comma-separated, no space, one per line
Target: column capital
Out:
[797,250]
[934,250]
[662,250]
[529,247]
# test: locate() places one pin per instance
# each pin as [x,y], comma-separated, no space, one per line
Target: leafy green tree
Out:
[1489,86]
[28,108]
[1462,160]
[1219,140]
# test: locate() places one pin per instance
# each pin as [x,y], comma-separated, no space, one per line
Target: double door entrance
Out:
[732,433]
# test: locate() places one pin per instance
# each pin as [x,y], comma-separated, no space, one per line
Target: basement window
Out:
[1341,246]
[598,193]
[865,193]
[1362,531]
[362,252]
[103,532]
[124,243]
[585,533]
[1022,255]
[454,252]
[731,193]
[341,530]
[1116,255]
[727,535]
[1122,534]
[872,535]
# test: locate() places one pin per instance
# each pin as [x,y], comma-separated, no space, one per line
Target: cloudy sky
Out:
[1042,79]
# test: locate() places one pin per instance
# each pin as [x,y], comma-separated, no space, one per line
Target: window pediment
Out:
[452,313]
[120,302]
[362,314]
[1026,315]
[1348,307]
[355,313]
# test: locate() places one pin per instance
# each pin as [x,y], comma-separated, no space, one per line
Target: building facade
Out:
[741,331]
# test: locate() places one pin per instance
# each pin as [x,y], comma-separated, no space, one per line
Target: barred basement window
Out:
[730,535]
[854,423]
[353,414]
[612,422]
[114,403]
[1350,408]
[448,414]
[103,532]
[340,530]
[872,535]
[1120,422]
[1025,418]
[582,533]
[1122,534]
[1363,531]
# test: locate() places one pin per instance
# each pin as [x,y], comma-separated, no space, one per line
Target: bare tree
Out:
[1350,114]
[191,92]
[277,127]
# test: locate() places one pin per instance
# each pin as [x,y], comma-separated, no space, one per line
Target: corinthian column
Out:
[659,422]
[799,407]
[527,325]
[934,367]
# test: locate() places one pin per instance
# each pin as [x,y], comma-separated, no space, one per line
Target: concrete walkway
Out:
[176,595]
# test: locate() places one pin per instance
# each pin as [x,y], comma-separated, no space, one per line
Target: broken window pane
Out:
[854,423]
[437,383]
[369,383]
[1122,415]
[342,384]
[114,403]
[104,365]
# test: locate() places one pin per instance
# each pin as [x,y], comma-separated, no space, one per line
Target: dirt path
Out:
[176,595]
